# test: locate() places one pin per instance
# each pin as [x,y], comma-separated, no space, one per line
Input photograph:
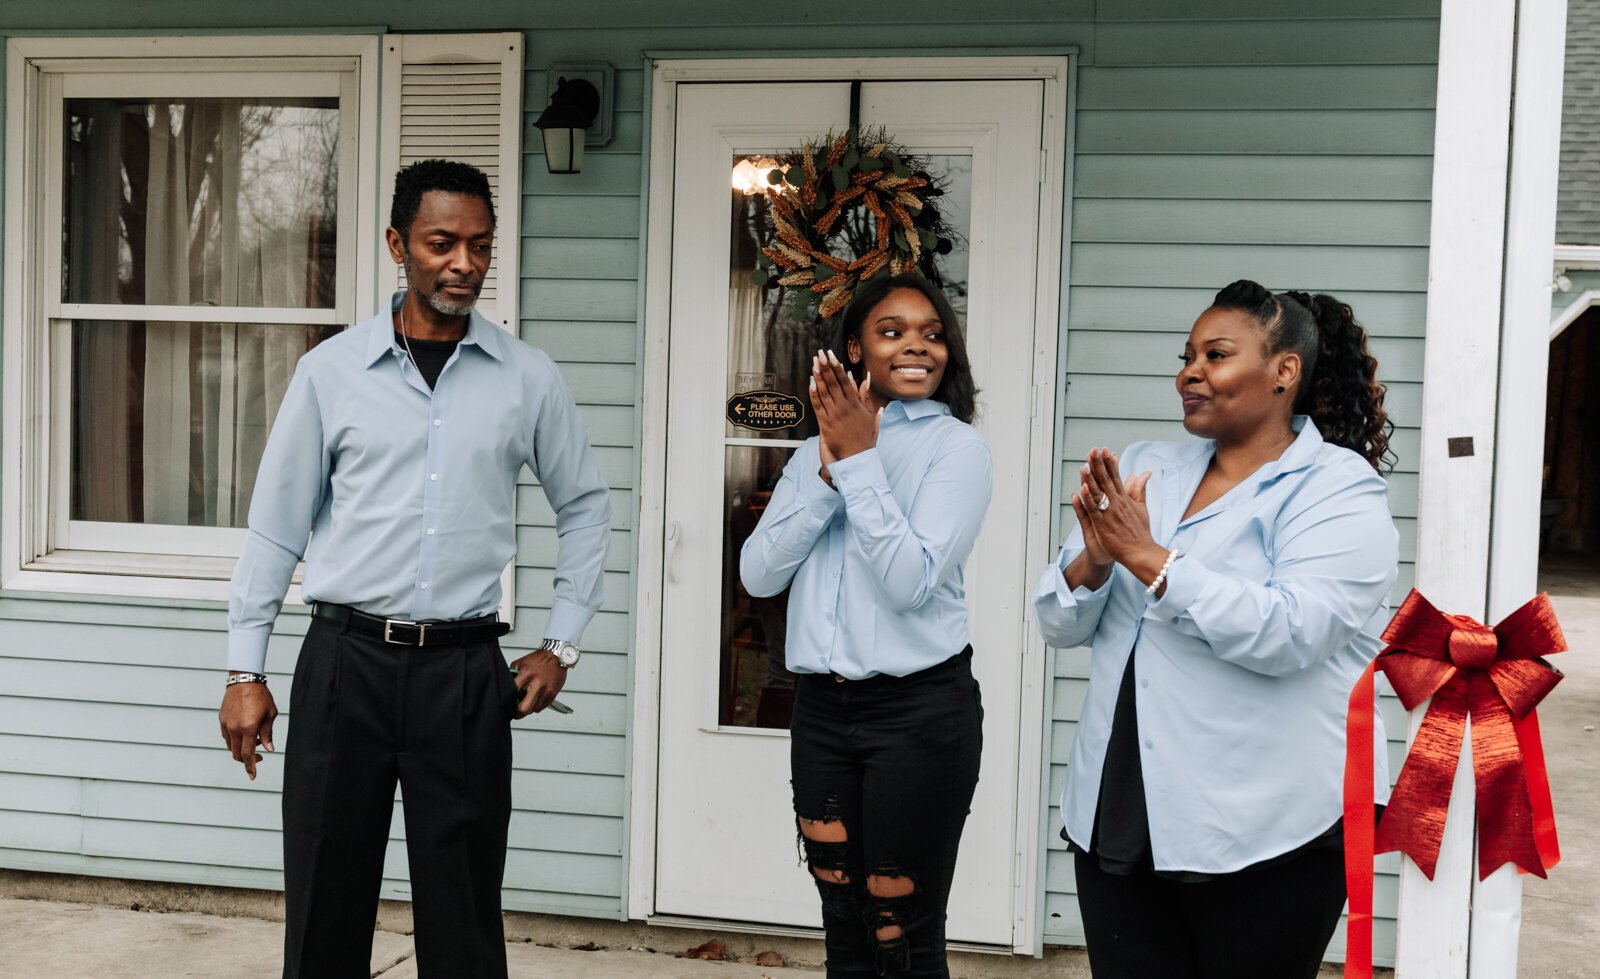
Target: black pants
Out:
[1271,922]
[363,715]
[895,761]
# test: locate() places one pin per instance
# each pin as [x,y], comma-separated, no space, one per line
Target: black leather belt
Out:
[404,633]
[959,661]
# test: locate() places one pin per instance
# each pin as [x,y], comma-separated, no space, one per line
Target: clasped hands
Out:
[1115,522]
[847,421]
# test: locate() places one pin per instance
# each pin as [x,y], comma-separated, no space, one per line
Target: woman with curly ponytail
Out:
[1344,397]
[1233,590]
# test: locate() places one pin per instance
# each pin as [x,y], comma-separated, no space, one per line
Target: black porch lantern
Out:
[564,124]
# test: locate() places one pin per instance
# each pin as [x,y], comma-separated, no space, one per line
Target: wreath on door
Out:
[846,209]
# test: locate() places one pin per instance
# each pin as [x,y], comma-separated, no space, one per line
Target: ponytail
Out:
[1339,386]
[1343,396]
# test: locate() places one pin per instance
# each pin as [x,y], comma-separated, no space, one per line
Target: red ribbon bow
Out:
[1494,676]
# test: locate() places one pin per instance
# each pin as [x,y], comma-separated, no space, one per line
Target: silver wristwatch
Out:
[565,652]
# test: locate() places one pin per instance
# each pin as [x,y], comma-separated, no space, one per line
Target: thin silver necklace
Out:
[407,342]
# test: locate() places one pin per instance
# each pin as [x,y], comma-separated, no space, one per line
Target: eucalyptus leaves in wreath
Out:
[843,210]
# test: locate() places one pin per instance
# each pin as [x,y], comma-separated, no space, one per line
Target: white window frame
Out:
[39,550]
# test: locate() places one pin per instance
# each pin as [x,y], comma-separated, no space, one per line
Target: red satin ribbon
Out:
[1495,677]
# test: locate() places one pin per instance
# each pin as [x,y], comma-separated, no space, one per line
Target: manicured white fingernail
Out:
[812,381]
[832,358]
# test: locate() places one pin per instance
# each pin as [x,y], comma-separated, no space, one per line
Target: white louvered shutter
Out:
[458,97]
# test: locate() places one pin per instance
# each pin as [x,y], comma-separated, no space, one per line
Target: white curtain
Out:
[747,353]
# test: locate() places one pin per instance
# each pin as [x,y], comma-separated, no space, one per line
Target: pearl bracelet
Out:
[1162,577]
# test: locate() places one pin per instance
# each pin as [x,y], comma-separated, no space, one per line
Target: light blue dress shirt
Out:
[876,564]
[1246,662]
[405,494]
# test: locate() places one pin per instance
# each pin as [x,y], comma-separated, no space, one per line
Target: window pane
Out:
[169,419]
[217,202]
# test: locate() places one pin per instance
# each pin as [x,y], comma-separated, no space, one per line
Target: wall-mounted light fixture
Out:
[565,122]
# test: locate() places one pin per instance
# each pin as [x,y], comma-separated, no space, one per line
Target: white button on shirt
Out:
[1247,660]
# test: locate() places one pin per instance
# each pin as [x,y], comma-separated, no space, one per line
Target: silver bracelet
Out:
[246,678]
[1165,567]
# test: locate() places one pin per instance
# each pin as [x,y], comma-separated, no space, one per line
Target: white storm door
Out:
[725,828]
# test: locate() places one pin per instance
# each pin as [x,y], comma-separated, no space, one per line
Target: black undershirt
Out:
[431,355]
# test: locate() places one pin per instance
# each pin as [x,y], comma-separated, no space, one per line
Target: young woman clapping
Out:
[869,527]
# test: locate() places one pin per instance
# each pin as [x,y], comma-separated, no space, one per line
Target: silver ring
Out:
[1104,504]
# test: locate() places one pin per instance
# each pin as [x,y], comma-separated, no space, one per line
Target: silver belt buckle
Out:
[388,632]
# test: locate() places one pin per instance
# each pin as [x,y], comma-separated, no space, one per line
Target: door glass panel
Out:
[756,689]
[769,350]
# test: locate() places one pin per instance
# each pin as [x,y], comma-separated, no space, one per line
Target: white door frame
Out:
[652,536]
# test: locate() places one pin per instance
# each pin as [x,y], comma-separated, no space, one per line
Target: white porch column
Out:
[1524,359]
[1486,351]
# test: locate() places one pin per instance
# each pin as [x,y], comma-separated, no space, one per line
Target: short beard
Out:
[438,302]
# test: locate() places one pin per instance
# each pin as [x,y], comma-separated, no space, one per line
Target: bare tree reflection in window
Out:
[196,202]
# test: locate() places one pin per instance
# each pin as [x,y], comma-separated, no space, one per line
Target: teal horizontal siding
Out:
[1228,42]
[1363,87]
[1373,14]
[590,342]
[573,216]
[1157,308]
[582,300]
[1400,132]
[1287,177]
[1236,222]
[580,258]
[1313,268]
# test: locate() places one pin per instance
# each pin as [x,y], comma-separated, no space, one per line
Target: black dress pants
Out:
[365,714]
[1270,921]
[895,761]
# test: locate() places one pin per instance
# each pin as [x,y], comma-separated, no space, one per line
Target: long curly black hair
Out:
[1338,386]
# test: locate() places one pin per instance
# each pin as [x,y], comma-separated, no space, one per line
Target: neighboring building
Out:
[1111,163]
[1571,499]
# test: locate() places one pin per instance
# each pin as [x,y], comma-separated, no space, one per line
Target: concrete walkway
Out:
[1561,915]
[46,939]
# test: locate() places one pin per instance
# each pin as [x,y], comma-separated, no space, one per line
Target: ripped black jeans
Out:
[883,771]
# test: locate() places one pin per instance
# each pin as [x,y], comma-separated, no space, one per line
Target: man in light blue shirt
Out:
[392,471]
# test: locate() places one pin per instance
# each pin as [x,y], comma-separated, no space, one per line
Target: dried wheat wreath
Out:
[864,193]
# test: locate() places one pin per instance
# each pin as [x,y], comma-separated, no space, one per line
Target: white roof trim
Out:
[1572,311]
[1577,256]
